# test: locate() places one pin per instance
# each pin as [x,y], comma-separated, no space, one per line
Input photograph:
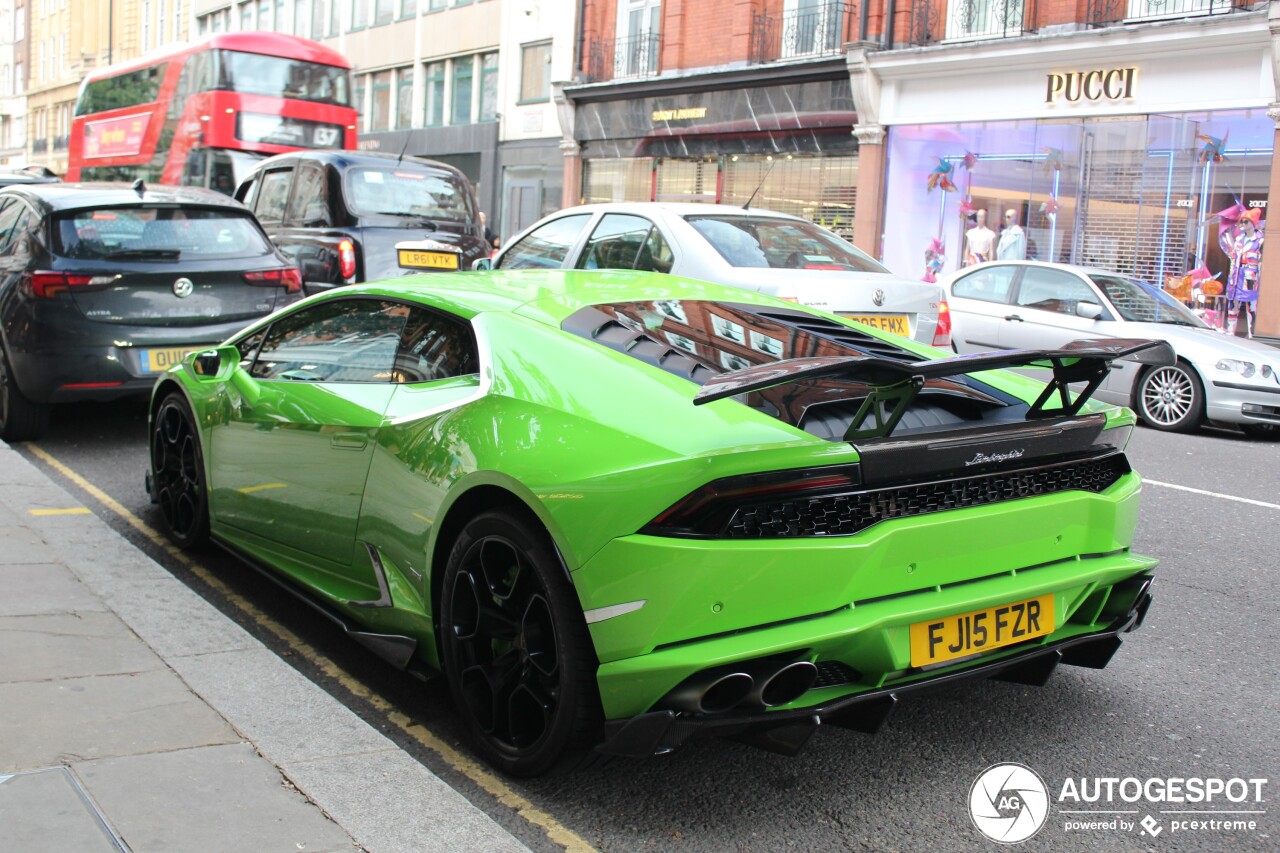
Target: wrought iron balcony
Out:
[619,59]
[935,21]
[1100,13]
[820,31]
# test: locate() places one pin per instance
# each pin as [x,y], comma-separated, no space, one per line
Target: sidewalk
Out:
[134,716]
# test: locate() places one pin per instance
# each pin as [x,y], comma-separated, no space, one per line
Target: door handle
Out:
[349,441]
[1013,317]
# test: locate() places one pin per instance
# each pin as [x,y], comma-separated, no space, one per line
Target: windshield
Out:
[1141,302]
[256,74]
[157,234]
[407,192]
[758,241]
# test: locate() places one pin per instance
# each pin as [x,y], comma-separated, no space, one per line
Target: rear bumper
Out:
[786,730]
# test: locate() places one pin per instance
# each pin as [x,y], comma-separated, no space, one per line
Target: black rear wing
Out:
[896,384]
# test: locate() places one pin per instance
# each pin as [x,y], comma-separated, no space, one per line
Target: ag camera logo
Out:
[1009,803]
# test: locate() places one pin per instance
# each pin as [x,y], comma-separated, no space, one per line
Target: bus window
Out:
[122,90]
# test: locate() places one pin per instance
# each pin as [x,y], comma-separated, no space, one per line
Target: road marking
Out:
[1249,501]
[73,510]
[555,831]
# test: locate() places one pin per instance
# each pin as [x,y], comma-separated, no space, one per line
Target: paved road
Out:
[1193,694]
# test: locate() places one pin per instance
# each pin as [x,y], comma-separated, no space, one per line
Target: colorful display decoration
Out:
[935,257]
[1214,148]
[941,175]
[1055,159]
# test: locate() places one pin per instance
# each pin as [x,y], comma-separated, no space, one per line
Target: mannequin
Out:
[1242,281]
[1013,240]
[979,241]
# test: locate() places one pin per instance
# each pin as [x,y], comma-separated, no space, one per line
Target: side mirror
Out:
[1089,310]
[482,264]
[211,364]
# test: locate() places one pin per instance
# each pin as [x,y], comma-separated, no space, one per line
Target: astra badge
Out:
[984,458]
[183,287]
[1009,803]
[878,297]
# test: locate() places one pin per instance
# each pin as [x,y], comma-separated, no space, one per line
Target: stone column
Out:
[567,114]
[868,221]
[1268,318]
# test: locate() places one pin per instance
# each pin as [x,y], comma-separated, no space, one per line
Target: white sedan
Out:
[1033,305]
[772,253]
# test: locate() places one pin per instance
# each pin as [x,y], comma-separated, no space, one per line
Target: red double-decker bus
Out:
[202,113]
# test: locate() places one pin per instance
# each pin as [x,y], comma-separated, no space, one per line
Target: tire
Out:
[20,419]
[177,473]
[1266,432]
[515,649]
[1170,398]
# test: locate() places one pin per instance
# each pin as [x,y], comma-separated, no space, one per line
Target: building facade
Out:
[1115,129]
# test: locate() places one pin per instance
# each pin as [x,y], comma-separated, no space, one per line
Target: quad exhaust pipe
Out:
[750,686]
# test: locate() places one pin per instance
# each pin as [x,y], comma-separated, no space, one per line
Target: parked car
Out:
[24,177]
[772,253]
[104,286]
[1217,377]
[348,216]
[621,510]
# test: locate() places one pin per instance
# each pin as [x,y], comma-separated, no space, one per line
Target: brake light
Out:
[287,277]
[47,285]
[942,335]
[709,510]
[347,260]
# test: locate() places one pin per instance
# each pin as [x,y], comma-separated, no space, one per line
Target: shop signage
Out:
[115,137]
[1105,83]
[679,115]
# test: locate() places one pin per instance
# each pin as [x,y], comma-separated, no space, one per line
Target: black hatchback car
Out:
[104,286]
[348,216]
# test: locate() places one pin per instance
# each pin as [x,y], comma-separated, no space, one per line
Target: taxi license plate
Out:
[895,323]
[160,360]
[964,634]
[415,259]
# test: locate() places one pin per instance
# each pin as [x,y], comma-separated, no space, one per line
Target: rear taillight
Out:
[708,511]
[48,285]
[347,260]
[287,277]
[942,335]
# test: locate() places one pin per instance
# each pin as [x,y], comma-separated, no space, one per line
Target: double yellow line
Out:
[499,790]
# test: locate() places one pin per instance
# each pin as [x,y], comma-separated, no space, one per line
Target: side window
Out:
[24,232]
[247,194]
[616,242]
[547,246]
[309,205]
[989,285]
[249,348]
[272,196]
[434,347]
[10,210]
[341,340]
[1048,289]
[655,255]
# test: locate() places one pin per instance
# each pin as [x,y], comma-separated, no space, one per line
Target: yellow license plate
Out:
[414,259]
[965,634]
[895,323]
[160,360]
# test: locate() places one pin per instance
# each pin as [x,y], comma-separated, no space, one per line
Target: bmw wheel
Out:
[177,472]
[516,650]
[20,419]
[1170,398]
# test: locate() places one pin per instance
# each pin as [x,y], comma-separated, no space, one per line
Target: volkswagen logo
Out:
[183,287]
[878,297]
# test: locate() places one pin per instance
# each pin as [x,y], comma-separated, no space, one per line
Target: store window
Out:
[1153,197]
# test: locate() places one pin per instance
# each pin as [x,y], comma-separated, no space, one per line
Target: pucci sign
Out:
[1112,84]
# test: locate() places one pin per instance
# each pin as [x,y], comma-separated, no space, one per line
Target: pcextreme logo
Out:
[1009,803]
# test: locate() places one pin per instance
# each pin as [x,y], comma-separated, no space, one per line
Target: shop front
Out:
[1147,153]
[787,147]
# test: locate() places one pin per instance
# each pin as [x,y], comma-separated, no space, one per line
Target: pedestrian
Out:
[489,236]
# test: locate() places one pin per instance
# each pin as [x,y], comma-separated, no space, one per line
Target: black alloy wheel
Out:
[177,472]
[20,419]
[1170,398]
[516,650]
